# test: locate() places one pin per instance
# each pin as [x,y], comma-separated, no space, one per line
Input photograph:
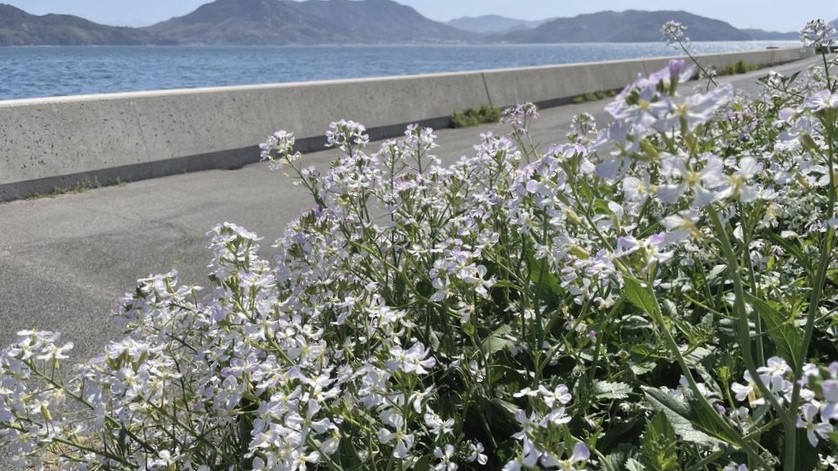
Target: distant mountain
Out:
[18,28]
[309,22]
[625,26]
[762,35]
[492,24]
[280,22]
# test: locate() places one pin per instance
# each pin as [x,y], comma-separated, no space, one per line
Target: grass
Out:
[593,96]
[740,67]
[77,189]
[475,116]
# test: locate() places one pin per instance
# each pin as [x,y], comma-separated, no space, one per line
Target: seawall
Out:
[60,142]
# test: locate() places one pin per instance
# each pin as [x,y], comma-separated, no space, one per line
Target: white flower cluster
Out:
[674,33]
[818,413]
[818,33]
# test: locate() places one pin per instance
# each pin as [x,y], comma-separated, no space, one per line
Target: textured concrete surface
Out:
[59,142]
[65,260]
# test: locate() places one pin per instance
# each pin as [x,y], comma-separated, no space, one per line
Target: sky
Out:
[776,15]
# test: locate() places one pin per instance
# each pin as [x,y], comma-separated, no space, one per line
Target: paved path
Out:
[65,260]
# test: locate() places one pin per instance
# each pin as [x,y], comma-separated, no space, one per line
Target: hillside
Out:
[626,26]
[18,28]
[762,35]
[309,22]
[492,24]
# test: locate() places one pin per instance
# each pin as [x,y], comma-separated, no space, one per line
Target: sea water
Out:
[28,72]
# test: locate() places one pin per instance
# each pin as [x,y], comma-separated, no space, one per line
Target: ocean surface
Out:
[28,72]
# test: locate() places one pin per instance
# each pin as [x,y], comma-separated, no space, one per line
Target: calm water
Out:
[27,72]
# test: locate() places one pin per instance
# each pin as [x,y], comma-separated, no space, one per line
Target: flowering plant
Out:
[656,294]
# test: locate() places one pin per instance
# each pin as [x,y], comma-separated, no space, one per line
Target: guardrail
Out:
[61,142]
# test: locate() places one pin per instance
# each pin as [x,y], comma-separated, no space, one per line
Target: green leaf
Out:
[617,459]
[659,445]
[787,337]
[679,415]
[347,455]
[468,329]
[505,406]
[424,464]
[695,355]
[634,465]
[806,456]
[609,390]
[496,341]
[548,288]
[640,295]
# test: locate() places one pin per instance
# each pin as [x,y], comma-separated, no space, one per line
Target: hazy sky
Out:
[782,15]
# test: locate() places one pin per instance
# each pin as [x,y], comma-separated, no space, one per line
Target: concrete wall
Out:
[59,142]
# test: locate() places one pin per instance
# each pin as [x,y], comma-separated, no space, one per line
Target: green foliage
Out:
[740,67]
[474,117]
[659,445]
[593,96]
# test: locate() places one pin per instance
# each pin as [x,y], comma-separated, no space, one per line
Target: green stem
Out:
[814,300]
[742,330]
[746,242]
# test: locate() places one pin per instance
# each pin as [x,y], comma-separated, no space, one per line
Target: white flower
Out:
[830,397]
[817,33]
[774,375]
[681,177]
[476,454]
[806,420]
[748,390]
[404,441]
[445,457]
[674,32]
[413,360]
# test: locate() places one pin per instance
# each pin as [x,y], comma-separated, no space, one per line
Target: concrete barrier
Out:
[60,142]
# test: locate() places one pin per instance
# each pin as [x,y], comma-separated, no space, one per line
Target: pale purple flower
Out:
[581,454]
[806,420]
[774,375]
[676,73]
[822,100]
[519,116]
[830,397]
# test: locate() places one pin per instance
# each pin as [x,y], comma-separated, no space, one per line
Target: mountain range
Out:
[626,26]
[310,22]
[281,22]
[18,28]
[493,24]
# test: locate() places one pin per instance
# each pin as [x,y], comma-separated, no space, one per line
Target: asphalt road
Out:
[65,260]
